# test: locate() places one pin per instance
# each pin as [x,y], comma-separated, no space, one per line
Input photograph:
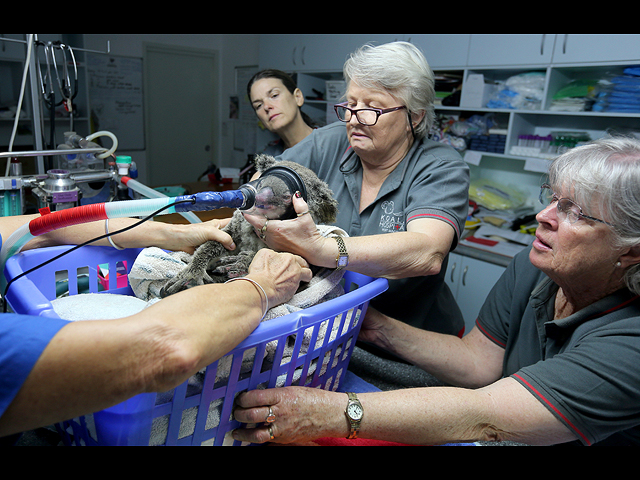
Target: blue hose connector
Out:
[206,201]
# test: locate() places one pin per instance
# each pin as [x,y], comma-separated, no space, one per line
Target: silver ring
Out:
[271,435]
[271,417]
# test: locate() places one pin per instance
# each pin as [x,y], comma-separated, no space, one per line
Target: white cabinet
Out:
[280,51]
[324,52]
[443,50]
[314,52]
[498,49]
[470,281]
[596,47]
[12,50]
[328,52]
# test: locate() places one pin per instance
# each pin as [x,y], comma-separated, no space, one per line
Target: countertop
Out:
[482,255]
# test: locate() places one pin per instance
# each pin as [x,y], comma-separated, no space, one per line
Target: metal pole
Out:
[35,104]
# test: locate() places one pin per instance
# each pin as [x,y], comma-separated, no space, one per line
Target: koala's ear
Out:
[322,204]
[264,162]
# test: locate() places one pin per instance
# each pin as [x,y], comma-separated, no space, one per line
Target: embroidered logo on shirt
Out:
[389,221]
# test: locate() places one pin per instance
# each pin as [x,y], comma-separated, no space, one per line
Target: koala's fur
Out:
[212,263]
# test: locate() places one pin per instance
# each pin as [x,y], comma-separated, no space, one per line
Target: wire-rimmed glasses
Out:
[567,208]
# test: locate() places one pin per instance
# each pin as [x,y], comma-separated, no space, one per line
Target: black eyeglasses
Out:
[366,116]
[567,209]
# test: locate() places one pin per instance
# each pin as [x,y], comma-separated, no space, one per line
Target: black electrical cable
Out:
[73,249]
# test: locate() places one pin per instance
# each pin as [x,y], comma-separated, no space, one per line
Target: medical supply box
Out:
[477,91]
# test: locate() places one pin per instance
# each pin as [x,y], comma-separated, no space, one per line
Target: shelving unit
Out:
[35,122]
[310,82]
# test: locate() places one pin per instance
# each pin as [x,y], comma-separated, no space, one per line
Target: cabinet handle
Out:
[544,37]
[464,277]
[293,56]
[453,269]
[564,45]
[304,50]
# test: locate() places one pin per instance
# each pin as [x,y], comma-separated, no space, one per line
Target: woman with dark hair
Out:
[277,102]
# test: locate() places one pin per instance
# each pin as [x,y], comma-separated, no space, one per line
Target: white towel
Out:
[97,306]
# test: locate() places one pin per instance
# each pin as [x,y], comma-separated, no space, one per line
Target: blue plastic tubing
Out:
[200,202]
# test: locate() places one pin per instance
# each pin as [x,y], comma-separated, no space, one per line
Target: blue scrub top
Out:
[23,338]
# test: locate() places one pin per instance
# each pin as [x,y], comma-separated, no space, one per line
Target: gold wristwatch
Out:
[354,413]
[342,261]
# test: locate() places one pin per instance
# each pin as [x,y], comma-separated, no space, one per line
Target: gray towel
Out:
[154,267]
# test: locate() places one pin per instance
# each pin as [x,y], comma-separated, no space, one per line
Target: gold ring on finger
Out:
[271,417]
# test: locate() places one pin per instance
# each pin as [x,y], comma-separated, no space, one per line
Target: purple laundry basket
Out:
[309,348]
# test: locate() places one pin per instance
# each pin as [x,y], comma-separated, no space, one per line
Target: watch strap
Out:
[354,425]
[342,261]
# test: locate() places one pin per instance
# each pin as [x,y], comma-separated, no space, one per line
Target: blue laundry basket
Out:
[309,348]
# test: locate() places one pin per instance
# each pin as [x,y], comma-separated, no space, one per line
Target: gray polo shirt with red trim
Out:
[431,182]
[584,368]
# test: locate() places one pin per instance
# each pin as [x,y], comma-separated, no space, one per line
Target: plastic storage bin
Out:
[309,348]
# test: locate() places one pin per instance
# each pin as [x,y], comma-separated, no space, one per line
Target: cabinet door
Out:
[471,281]
[13,50]
[279,51]
[477,278]
[326,52]
[496,49]
[597,47]
[448,50]
[314,52]
[452,278]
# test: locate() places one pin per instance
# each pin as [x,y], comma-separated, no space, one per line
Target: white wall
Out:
[233,49]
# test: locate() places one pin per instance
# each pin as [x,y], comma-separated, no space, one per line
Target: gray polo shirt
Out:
[431,182]
[583,368]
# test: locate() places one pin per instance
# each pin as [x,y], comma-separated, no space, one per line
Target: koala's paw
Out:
[186,279]
[233,266]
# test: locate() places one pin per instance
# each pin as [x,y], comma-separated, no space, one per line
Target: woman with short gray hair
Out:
[554,356]
[401,69]
[402,198]
[606,175]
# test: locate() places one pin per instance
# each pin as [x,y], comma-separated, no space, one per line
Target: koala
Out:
[212,263]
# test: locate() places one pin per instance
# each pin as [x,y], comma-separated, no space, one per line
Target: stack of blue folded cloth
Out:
[622,94]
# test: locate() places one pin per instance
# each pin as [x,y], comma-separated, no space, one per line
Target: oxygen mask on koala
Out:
[271,194]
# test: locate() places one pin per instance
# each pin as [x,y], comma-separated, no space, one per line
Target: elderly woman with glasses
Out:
[554,356]
[403,199]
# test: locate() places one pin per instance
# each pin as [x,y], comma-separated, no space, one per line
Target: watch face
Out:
[355,411]
[343,261]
